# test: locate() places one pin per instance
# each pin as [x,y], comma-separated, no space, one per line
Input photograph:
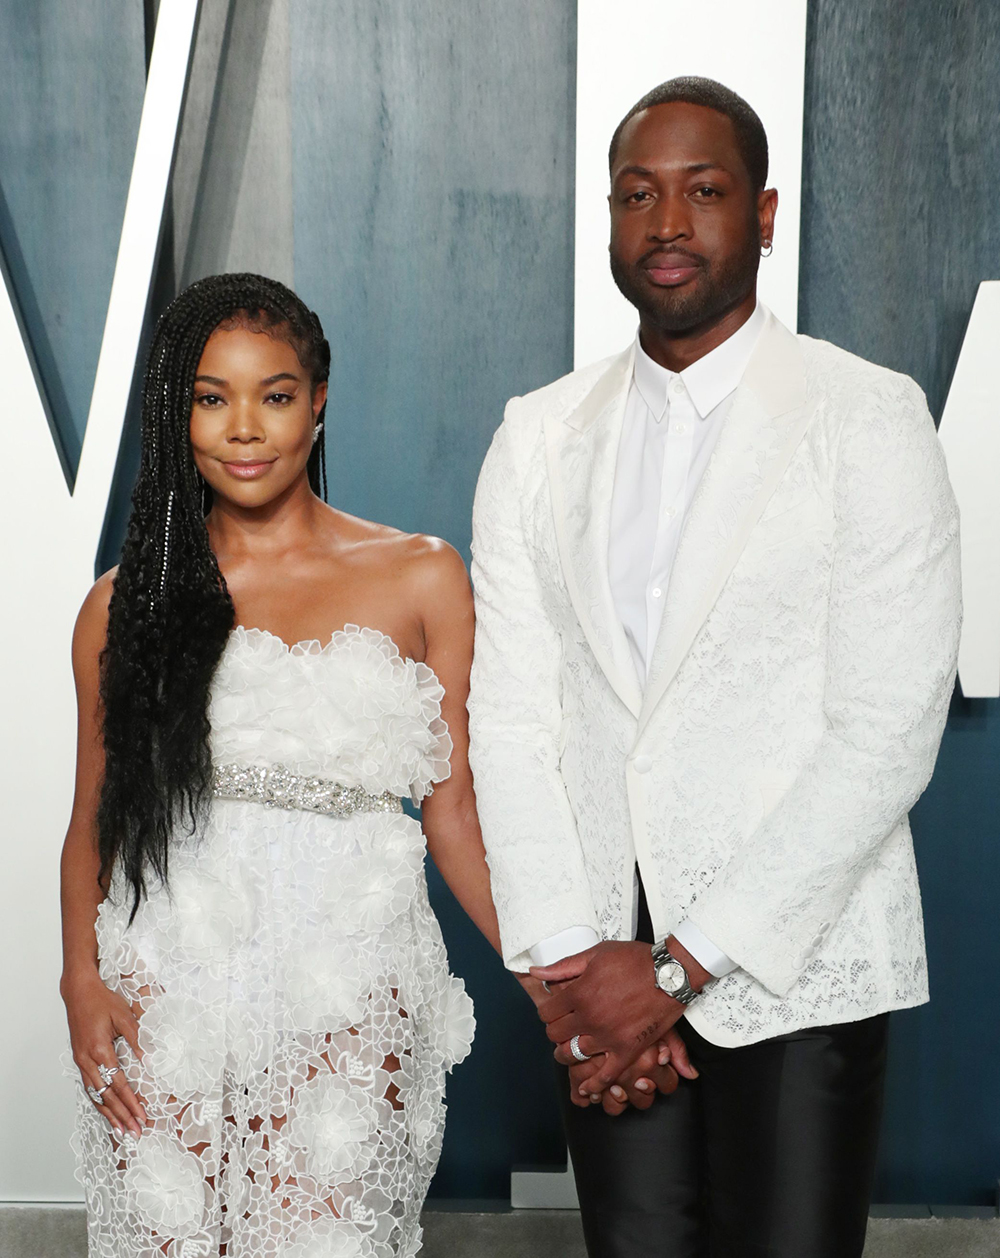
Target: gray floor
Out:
[58,1232]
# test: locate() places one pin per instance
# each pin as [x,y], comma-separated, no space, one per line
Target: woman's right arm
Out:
[97,1016]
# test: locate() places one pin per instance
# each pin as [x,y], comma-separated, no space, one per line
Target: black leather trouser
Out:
[771,1151]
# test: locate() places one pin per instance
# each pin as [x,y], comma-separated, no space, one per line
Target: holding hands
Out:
[609,1007]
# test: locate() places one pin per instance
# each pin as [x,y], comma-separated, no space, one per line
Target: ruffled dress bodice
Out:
[296,1013]
[353,711]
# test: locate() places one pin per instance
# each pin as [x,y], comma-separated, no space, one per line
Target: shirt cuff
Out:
[566,944]
[703,950]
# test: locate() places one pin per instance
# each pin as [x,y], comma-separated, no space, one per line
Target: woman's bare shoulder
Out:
[436,569]
[91,630]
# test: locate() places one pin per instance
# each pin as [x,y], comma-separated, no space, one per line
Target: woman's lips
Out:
[249,471]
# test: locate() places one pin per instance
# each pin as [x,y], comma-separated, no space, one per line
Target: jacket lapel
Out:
[767,420]
[582,450]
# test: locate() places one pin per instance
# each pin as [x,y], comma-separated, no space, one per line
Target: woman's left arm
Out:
[450,822]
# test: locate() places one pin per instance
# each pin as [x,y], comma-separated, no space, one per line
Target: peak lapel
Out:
[582,450]
[767,420]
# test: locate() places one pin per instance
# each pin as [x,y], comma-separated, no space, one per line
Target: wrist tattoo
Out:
[646,1032]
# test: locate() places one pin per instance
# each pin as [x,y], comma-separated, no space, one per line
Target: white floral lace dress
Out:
[297,1017]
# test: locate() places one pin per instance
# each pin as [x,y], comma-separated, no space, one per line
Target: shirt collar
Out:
[709,380]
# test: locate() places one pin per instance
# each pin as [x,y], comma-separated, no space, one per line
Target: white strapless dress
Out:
[297,1017]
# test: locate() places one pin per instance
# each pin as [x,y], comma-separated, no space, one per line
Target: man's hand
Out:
[608,996]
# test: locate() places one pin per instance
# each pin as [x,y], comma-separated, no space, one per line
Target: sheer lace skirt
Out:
[297,1021]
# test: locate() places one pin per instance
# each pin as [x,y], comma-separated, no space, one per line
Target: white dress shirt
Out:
[672,421]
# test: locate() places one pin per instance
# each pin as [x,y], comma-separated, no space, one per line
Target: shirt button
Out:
[671,512]
[642,764]
[677,388]
[682,428]
[657,592]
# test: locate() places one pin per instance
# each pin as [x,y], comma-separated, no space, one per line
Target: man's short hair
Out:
[692,90]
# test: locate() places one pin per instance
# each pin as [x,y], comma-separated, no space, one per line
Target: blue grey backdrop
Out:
[901,220]
[407,165]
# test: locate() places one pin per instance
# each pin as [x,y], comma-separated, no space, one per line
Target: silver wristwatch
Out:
[671,976]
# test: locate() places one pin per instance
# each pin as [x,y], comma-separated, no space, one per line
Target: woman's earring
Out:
[767,250]
[316,431]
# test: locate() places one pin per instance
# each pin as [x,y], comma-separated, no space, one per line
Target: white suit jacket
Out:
[795,701]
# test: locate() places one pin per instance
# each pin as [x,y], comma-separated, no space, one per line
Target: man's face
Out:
[685,221]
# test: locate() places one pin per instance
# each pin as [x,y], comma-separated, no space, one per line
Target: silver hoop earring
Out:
[767,250]
[316,431]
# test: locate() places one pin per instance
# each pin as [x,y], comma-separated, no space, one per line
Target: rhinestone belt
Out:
[278,787]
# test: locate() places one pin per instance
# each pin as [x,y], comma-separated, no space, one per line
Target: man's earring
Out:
[316,431]
[767,250]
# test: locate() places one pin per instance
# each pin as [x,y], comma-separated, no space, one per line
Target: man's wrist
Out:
[698,976]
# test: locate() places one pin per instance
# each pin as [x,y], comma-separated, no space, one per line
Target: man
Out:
[718,608]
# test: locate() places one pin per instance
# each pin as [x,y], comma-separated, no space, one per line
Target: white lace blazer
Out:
[796,695]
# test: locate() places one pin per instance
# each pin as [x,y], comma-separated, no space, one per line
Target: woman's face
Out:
[252,416]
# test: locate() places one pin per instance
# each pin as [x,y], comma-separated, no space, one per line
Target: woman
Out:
[258,995]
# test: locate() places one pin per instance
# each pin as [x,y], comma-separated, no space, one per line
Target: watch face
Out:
[670,977]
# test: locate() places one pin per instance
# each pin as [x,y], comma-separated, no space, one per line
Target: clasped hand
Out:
[608,997]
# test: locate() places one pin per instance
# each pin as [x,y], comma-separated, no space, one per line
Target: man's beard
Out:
[682,309]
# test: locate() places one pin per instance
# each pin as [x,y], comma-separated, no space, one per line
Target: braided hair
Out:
[170,611]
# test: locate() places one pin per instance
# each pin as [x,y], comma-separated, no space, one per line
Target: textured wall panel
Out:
[233,177]
[433,232]
[901,220]
[72,75]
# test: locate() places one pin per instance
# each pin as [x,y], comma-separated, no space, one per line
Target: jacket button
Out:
[817,941]
[642,764]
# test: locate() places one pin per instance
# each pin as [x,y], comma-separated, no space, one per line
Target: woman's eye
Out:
[210,400]
[279,399]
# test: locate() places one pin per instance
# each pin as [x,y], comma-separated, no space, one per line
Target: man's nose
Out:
[671,219]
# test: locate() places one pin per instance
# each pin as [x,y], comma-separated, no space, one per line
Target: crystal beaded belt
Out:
[278,787]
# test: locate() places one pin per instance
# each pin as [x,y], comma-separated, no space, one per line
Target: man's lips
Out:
[249,470]
[670,269]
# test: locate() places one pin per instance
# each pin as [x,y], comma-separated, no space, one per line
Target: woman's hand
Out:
[656,1070]
[97,1017]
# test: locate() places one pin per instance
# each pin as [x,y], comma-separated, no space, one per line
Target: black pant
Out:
[771,1151]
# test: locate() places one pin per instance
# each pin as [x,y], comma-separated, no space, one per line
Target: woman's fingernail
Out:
[664,1057]
[618,1094]
[584,1090]
[595,1098]
[117,1131]
[643,1085]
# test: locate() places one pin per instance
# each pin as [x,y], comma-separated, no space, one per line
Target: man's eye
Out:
[707,192]
[639,196]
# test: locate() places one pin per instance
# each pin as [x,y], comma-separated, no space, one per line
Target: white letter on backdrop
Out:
[970,434]
[46,567]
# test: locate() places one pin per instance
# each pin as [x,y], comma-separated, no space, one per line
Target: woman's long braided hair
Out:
[170,612]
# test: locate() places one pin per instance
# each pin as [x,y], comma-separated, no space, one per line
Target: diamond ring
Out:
[97,1096]
[107,1073]
[577,1051]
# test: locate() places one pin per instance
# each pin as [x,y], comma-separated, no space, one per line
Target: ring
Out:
[577,1051]
[95,1096]
[107,1073]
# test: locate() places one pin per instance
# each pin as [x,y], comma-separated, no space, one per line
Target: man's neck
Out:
[677,350]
